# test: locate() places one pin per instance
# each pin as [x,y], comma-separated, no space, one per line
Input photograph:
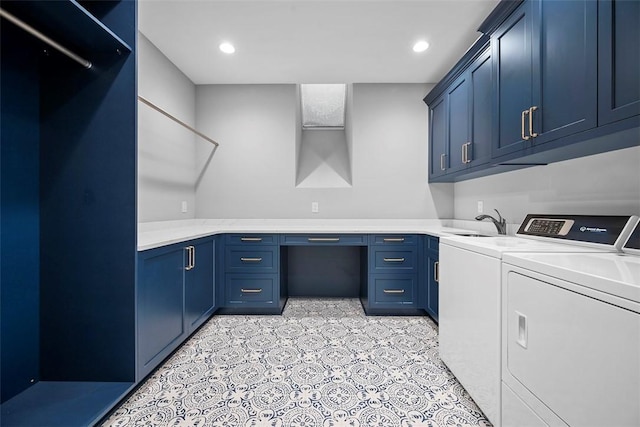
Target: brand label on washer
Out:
[593,229]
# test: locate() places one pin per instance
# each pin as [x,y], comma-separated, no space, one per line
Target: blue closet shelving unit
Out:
[68,211]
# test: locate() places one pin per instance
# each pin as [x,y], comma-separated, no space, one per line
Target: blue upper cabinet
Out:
[461,120]
[564,69]
[558,81]
[545,68]
[439,146]
[511,44]
[477,150]
[458,121]
[619,60]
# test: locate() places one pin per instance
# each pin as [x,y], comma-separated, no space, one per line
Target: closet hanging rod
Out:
[29,29]
[180,122]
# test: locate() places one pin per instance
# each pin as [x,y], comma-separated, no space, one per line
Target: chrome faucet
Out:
[501,223]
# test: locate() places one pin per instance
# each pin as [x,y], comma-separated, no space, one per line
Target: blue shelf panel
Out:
[68,23]
[65,404]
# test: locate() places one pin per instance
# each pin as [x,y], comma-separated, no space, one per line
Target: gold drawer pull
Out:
[251,291]
[251,259]
[393,259]
[251,239]
[323,239]
[393,291]
[393,239]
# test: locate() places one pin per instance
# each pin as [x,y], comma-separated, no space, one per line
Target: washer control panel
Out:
[549,227]
[609,230]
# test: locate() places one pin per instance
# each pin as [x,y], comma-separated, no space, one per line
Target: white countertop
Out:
[156,234]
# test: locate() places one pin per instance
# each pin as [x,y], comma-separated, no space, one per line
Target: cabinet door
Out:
[160,301]
[564,68]
[438,143]
[619,60]
[199,287]
[458,121]
[432,285]
[481,81]
[511,46]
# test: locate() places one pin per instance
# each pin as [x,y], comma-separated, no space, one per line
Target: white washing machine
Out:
[571,338]
[470,292]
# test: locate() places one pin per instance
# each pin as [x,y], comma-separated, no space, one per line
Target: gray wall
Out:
[253,173]
[603,184]
[166,151]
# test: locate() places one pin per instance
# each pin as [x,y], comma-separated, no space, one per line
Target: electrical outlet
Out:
[480,206]
[184,206]
[314,207]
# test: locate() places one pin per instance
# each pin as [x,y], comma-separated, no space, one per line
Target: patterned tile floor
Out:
[323,363]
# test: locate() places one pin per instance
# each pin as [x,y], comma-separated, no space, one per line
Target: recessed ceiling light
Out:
[420,46]
[227,47]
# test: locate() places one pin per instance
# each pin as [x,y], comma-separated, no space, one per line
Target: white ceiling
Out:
[307,41]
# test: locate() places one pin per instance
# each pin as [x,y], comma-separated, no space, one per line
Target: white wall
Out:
[166,151]
[252,174]
[603,184]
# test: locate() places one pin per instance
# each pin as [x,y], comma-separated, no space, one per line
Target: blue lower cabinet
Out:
[252,290]
[429,282]
[397,260]
[393,290]
[323,239]
[251,275]
[175,295]
[199,283]
[243,259]
[392,275]
[160,305]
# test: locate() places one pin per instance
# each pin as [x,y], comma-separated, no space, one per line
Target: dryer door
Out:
[578,355]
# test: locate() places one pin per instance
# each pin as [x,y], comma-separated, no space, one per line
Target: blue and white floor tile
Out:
[323,363]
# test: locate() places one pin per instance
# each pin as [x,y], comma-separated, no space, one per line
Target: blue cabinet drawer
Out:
[251,239]
[324,239]
[251,289]
[394,289]
[396,260]
[393,239]
[259,259]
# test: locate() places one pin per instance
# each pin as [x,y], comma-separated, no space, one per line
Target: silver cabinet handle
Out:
[250,291]
[393,239]
[393,259]
[191,259]
[463,149]
[393,291]
[436,271]
[251,239]
[442,167]
[466,153]
[522,130]
[532,134]
[323,239]
[251,259]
